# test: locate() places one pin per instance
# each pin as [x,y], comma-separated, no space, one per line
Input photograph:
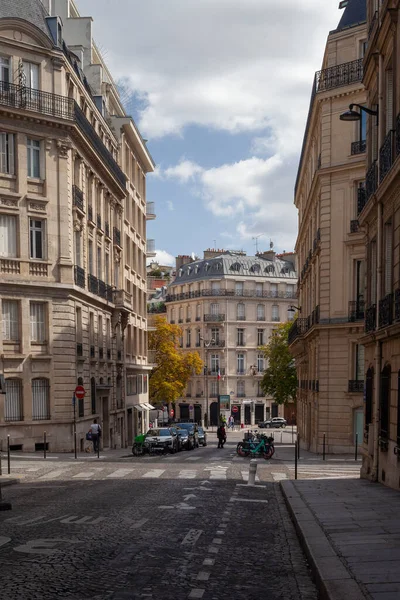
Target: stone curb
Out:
[333,580]
[7,482]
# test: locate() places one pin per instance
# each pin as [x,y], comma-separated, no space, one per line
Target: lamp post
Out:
[207,344]
[353,115]
[292,309]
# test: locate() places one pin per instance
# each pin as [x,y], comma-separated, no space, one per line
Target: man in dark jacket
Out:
[221,434]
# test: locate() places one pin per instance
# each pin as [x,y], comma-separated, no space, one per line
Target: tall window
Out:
[198,312]
[78,248]
[215,334]
[214,389]
[240,363]
[275,313]
[274,290]
[36,232]
[172,315]
[4,69]
[240,337]
[362,133]
[8,236]
[188,338]
[359,363]
[99,262]
[260,312]
[240,389]
[188,314]
[259,290]
[10,309]
[90,257]
[38,322]
[40,399]
[107,268]
[241,312]
[33,148]
[116,274]
[7,161]
[13,406]
[239,288]
[181,314]
[215,286]
[388,258]
[389,100]
[31,72]
[359,287]
[260,363]
[290,290]
[384,401]
[260,337]
[372,268]
[214,363]
[214,308]
[198,338]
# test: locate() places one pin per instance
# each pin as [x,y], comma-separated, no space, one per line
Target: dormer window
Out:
[180,272]
[255,268]
[269,269]
[235,266]
[207,266]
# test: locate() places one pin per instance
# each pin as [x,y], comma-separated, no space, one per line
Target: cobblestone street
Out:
[183,526]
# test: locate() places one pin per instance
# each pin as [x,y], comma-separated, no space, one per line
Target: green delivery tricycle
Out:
[139,446]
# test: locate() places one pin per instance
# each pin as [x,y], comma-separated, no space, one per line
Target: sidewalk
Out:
[350,531]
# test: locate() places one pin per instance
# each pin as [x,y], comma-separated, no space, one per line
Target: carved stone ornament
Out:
[78,225]
[37,206]
[63,149]
[58,63]
[124,321]
[117,255]
[9,202]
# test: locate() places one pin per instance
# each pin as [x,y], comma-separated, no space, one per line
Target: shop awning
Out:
[149,406]
[140,407]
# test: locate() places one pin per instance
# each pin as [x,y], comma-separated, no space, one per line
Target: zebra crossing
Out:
[325,471]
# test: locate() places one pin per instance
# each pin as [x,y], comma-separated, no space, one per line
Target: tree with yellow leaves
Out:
[174,367]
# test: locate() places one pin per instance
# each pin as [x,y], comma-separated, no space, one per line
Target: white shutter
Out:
[389,101]
[8,236]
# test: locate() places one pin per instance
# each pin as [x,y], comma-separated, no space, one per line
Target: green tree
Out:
[174,367]
[280,378]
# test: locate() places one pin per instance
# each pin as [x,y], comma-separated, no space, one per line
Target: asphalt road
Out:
[174,527]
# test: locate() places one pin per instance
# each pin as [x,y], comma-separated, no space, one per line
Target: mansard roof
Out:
[354,14]
[32,11]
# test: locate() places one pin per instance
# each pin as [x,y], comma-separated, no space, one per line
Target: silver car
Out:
[161,438]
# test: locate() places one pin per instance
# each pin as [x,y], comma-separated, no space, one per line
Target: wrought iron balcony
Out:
[371,180]
[98,220]
[358,147]
[386,311]
[98,146]
[370,318]
[298,328]
[117,236]
[79,275]
[102,289]
[386,155]
[397,305]
[150,210]
[355,386]
[354,226]
[77,196]
[90,213]
[361,199]
[93,284]
[79,349]
[214,318]
[241,318]
[32,100]
[339,75]
[107,229]
[356,310]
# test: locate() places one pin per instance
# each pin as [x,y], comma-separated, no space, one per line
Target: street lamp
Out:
[207,344]
[354,115]
[292,309]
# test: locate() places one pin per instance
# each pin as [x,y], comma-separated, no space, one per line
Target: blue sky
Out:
[220,88]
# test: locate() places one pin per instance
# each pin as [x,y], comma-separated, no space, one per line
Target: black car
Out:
[202,436]
[192,431]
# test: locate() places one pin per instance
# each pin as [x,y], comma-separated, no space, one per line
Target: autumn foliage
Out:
[174,367]
[280,378]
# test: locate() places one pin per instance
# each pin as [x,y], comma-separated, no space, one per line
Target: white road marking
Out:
[154,473]
[209,562]
[203,576]
[4,540]
[278,476]
[139,524]
[213,549]
[53,474]
[84,475]
[196,593]
[43,546]
[187,474]
[246,500]
[193,458]
[216,541]
[245,476]
[82,520]
[191,537]
[120,473]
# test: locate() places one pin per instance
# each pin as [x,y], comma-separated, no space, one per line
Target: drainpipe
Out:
[378,344]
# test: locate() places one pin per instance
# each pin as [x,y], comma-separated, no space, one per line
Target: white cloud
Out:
[184,171]
[163,257]
[170,205]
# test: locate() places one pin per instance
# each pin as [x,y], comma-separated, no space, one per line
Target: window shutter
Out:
[389,101]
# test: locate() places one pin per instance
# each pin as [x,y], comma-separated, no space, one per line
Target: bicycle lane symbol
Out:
[42,546]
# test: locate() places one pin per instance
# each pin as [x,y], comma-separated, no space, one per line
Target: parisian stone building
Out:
[329,195]
[227,306]
[73,243]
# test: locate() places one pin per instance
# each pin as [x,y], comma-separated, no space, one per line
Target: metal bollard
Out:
[323,448]
[281,437]
[98,447]
[44,445]
[298,447]
[252,472]
[8,455]
[295,459]
[356,450]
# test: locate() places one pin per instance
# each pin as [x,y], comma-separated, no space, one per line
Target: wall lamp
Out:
[354,115]
[292,309]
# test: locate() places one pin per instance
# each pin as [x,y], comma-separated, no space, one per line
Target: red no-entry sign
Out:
[235,409]
[80,392]
[171,412]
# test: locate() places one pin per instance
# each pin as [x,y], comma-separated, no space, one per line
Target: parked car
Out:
[175,430]
[161,438]
[202,436]
[274,422]
[193,434]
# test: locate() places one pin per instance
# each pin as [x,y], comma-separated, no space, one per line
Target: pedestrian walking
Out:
[95,430]
[231,422]
[221,434]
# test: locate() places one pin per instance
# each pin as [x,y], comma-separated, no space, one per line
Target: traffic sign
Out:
[80,392]
[235,409]
[171,412]
[191,406]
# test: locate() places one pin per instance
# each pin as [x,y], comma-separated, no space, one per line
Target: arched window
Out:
[80,380]
[13,405]
[384,402]
[40,400]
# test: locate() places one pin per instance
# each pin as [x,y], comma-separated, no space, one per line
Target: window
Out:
[99,262]
[188,314]
[36,231]
[389,100]
[388,258]
[239,288]
[33,147]
[7,162]
[214,308]
[78,248]
[38,322]
[384,402]
[31,72]
[10,320]
[198,312]
[144,384]
[359,364]
[131,385]
[13,406]
[241,314]
[215,334]
[260,393]
[188,338]
[8,236]
[139,384]
[172,315]
[116,274]
[275,312]
[90,258]
[260,363]
[240,337]
[4,69]
[260,337]
[240,389]
[260,312]
[181,314]
[215,286]
[198,338]
[214,389]
[214,363]
[259,290]
[362,132]
[274,290]
[40,399]
[107,268]
[290,290]
[240,363]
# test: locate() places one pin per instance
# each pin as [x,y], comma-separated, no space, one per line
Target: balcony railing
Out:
[370,318]
[386,311]
[298,328]
[117,236]
[77,196]
[214,318]
[354,226]
[36,101]
[93,284]
[356,386]
[356,310]
[358,147]
[386,155]
[339,75]
[361,199]
[98,146]
[397,305]
[224,293]
[371,181]
[79,274]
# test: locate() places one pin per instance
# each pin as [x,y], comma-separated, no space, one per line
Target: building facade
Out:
[380,219]
[227,306]
[329,195]
[72,236]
